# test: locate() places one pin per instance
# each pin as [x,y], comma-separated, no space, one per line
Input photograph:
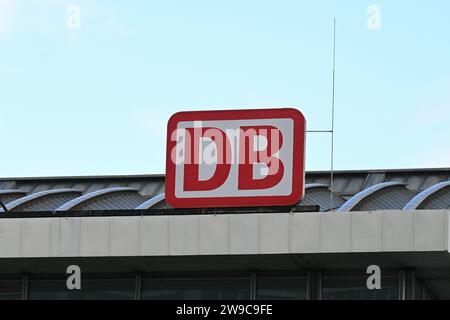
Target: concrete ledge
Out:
[226,234]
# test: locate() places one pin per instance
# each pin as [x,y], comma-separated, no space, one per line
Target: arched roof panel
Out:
[6,196]
[435,197]
[115,198]
[46,200]
[382,196]
[152,202]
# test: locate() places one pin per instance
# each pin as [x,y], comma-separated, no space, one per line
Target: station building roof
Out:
[357,190]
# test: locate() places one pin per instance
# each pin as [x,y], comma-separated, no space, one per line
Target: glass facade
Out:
[196,289]
[91,289]
[232,286]
[10,289]
[355,288]
[281,288]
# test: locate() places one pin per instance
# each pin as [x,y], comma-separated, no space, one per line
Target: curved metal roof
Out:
[47,200]
[435,197]
[148,185]
[11,191]
[7,196]
[315,186]
[315,194]
[385,195]
[105,199]
[152,202]
[352,190]
[320,194]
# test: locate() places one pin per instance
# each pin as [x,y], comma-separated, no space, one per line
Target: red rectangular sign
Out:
[235,158]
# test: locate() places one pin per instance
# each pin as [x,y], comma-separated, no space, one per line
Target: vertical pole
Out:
[310,285]
[332,115]
[314,285]
[24,287]
[253,286]
[138,286]
[413,285]
[319,285]
[407,284]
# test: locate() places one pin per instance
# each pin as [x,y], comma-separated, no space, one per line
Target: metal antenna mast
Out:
[332,115]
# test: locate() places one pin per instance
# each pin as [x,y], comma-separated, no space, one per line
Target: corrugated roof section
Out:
[106,199]
[115,201]
[345,185]
[47,200]
[146,185]
[373,179]
[320,194]
[363,190]
[154,202]
[382,196]
[394,198]
[435,197]
[6,196]
[439,200]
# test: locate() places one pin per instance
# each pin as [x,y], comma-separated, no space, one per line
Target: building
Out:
[130,245]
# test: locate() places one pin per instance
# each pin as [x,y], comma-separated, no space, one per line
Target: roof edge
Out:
[162,175]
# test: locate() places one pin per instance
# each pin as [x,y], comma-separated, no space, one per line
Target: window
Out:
[10,289]
[91,289]
[353,287]
[196,288]
[418,290]
[285,288]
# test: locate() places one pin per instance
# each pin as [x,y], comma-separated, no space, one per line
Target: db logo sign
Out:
[235,158]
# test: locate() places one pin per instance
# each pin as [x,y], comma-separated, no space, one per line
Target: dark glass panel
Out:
[196,288]
[355,288]
[91,289]
[284,288]
[10,289]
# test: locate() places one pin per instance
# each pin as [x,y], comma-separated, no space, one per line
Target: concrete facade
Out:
[226,234]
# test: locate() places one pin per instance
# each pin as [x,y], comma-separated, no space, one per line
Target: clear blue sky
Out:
[95,100]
